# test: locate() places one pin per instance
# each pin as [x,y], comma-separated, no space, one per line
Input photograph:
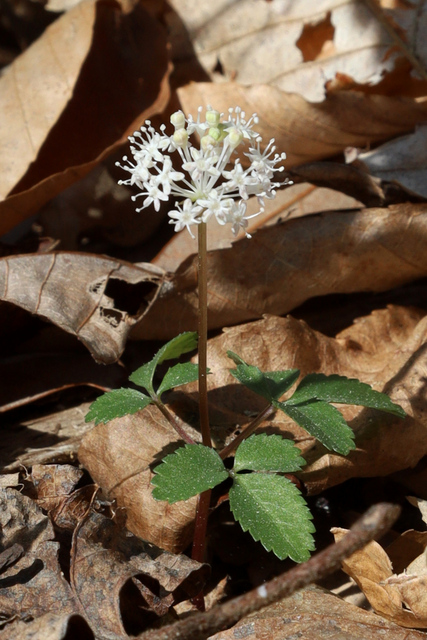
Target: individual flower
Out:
[208,179]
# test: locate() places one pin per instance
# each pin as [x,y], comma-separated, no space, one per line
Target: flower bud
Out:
[235,137]
[213,117]
[207,141]
[178,120]
[180,137]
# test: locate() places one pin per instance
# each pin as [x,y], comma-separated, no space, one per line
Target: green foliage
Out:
[177,375]
[272,509]
[187,472]
[324,422]
[309,406]
[267,505]
[116,404]
[185,342]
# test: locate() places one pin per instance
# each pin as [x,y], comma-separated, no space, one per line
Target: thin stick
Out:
[373,524]
[247,431]
[203,335]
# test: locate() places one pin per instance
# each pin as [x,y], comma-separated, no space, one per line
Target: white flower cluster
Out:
[203,183]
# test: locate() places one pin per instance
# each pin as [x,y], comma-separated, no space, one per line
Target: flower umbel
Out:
[203,178]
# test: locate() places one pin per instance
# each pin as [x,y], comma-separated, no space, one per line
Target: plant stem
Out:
[173,421]
[203,334]
[202,512]
[374,523]
[265,413]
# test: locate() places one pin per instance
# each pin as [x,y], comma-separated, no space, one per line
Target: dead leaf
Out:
[131,583]
[50,627]
[119,456]
[56,494]
[33,585]
[96,298]
[307,131]
[284,265]
[314,613]
[401,598]
[48,144]
[403,160]
[309,45]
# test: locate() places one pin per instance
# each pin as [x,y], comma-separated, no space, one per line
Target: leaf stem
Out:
[203,334]
[172,420]
[265,413]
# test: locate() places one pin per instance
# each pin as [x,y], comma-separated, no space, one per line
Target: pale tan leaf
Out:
[48,136]
[119,456]
[284,265]
[307,131]
[49,626]
[77,292]
[311,614]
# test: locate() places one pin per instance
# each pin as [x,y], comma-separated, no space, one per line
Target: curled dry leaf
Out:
[310,44]
[34,584]
[98,299]
[105,555]
[50,627]
[314,613]
[56,494]
[49,136]
[386,350]
[400,598]
[307,131]
[284,265]
[119,456]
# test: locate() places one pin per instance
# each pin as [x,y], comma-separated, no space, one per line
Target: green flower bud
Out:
[180,137]
[178,120]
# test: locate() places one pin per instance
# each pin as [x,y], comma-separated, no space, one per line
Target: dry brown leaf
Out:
[307,131]
[284,265]
[403,160]
[49,137]
[55,486]
[311,614]
[50,627]
[119,456]
[132,580]
[35,584]
[96,298]
[310,43]
[400,598]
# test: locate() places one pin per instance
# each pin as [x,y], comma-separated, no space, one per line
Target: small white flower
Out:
[209,187]
[186,216]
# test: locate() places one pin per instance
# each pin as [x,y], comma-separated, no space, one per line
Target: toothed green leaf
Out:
[274,512]
[268,453]
[324,422]
[116,404]
[270,385]
[177,375]
[187,472]
[343,390]
[176,347]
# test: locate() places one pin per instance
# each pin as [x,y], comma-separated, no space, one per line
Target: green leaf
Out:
[324,422]
[179,345]
[343,390]
[187,472]
[272,509]
[177,375]
[270,385]
[268,453]
[116,404]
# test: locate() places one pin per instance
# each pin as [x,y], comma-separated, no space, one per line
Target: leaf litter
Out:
[341,81]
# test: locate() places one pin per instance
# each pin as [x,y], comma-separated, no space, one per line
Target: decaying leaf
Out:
[309,44]
[96,298]
[284,265]
[314,613]
[307,131]
[34,584]
[119,456]
[50,626]
[49,135]
[400,598]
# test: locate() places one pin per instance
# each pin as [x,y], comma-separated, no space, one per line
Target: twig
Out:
[374,523]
